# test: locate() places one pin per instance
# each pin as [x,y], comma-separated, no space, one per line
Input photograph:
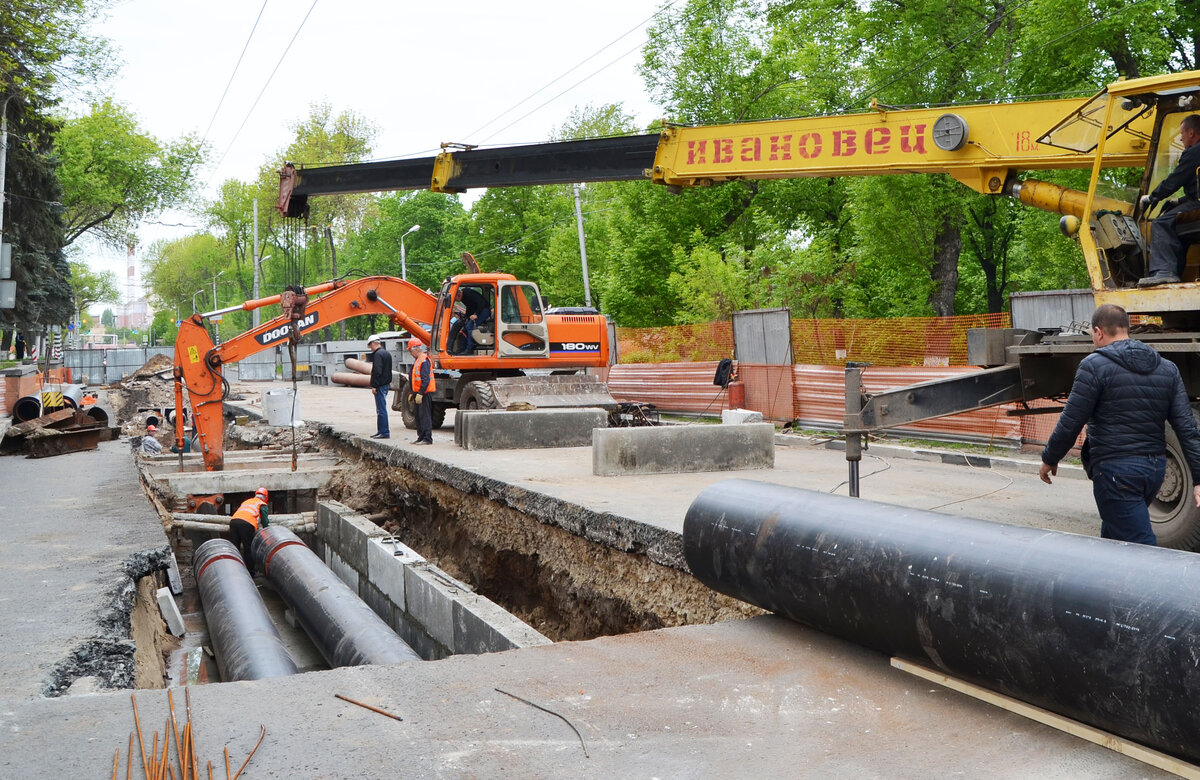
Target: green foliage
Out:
[432,252]
[113,174]
[107,318]
[91,287]
[181,272]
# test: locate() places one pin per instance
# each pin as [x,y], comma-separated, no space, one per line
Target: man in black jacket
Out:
[1167,252]
[1124,391]
[381,381]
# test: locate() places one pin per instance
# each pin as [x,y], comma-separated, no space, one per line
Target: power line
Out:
[578,65]
[261,93]
[235,70]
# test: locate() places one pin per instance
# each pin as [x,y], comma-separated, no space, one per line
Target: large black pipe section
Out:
[1107,633]
[340,624]
[246,641]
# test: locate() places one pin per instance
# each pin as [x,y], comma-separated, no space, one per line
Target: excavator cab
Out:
[514,328]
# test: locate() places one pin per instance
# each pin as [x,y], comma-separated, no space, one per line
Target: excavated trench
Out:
[564,585]
[568,575]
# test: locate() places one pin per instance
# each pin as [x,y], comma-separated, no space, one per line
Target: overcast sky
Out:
[423,73]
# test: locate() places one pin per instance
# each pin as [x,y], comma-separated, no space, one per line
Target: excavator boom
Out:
[198,362]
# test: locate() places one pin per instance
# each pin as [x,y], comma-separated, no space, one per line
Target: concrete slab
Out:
[246,481]
[682,448]
[761,697]
[77,533]
[495,429]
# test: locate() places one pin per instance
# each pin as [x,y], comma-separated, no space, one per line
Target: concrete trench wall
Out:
[568,571]
[435,614]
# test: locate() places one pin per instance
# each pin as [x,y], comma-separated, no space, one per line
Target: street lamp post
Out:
[403,261]
[216,327]
[258,261]
[198,292]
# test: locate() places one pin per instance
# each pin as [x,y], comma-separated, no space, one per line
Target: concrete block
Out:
[170,611]
[379,603]
[343,571]
[682,449]
[173,576]
[740,416]
[328,519]
[482,626]
[354,534]
[386,559]
[429,600]
[494,429]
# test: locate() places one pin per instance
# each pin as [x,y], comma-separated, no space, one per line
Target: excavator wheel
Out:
[477,395]
[408,411]
[1173,513]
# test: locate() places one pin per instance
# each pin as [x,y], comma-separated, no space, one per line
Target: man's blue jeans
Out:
[1124,489]
[381,411]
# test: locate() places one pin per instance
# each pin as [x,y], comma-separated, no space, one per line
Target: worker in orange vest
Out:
[421,383]
[246,521]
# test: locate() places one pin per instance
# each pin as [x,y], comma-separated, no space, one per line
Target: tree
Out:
[90,287]
[113,174]
[107,318]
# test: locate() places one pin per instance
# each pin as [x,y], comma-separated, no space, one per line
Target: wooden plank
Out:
[1125,747]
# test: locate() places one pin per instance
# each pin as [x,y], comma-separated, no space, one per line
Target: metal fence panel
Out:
[1051,308]
[763,336]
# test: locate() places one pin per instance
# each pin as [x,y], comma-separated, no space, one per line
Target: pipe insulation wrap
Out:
[1106,633]
[340,624]
[247,644]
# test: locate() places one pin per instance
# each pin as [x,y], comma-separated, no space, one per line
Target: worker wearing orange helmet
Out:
[246,521]
[150,444]
[421,383]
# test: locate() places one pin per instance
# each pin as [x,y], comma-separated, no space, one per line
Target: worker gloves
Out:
[418,398]
[1147,202]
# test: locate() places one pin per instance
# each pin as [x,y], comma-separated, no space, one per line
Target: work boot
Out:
[1157,279]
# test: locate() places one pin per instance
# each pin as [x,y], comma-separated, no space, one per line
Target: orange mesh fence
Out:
[900,341]
[676,343]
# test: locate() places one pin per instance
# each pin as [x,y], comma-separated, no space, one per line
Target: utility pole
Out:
[255,316]
[3,158]
[587,288]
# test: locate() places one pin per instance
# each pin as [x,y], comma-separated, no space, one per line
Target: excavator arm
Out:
[199,363]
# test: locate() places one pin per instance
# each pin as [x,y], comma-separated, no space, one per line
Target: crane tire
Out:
[1173,513]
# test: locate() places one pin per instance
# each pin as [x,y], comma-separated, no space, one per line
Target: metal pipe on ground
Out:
[358,366]
[27,408]
[350,379]
[1103,632]
[247,644]
[340,624]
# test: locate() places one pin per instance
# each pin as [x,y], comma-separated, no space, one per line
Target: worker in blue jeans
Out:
[381,382]
[1124,392]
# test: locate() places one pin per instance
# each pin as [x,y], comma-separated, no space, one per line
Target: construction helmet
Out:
[151,429]
[262,493]
[414,343]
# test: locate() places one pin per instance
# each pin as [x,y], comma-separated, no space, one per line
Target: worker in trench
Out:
[249,517]
[421,383]
[150,444]
[1124,392]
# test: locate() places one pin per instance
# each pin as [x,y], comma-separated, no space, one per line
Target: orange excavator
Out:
[508,358]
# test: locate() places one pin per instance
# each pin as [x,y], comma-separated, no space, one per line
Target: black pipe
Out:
[1106,633]
[245,639]
[340,624]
